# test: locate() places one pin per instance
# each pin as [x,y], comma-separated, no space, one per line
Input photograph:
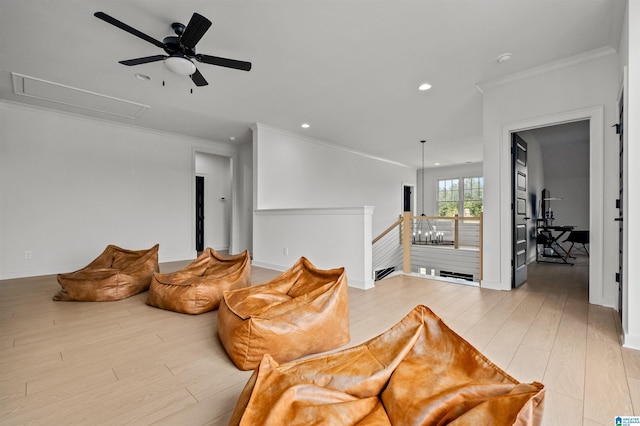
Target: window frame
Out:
[461,192]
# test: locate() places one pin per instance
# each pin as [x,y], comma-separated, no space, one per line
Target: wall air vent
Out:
[60,94]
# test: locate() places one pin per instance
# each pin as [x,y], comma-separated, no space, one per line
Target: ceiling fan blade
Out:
[145,60]
[197,26]
[224,62]
[113,21]
[198,79]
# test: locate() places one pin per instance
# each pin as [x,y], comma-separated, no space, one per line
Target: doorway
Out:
[408,195]
[598,293]
[213,202]
[557,159]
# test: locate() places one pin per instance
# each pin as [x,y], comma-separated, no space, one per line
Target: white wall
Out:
[293,171]
[243,226]
[329,238]
[216,171]
[581,85]
[315,199]
[431,176]
[567,177]
[70,185]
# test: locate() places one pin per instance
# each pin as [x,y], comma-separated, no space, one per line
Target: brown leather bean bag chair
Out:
[419,372]
[116,274]
[303,311]
[198,287]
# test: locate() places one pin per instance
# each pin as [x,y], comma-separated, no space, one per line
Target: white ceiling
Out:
[350,68]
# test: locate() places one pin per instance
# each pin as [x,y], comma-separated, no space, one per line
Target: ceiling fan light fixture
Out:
[180,65]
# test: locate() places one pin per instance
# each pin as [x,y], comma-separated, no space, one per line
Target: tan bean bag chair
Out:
[419,372]
[303,311]
[116,274]
[198,287]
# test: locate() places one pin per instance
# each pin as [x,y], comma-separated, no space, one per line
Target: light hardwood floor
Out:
[128,363]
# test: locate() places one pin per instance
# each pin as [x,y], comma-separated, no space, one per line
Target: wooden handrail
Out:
[448,217]
[406,240]
[386,231]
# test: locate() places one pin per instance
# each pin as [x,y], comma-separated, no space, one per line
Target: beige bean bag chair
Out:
[303,311]
[198,287]
[116,274]
[419,372]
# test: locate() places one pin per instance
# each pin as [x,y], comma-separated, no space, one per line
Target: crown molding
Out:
[258,126]
[590,55]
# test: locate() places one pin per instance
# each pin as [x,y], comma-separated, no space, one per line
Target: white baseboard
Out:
[362,285]
[631,341]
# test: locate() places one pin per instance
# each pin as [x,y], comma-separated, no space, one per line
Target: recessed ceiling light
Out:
[504,58]
[232,138]
[424,86]
[143,77]
[305,125]
[436,164]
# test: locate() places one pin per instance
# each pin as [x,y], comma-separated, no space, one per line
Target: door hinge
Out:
[618,204]
[617,277]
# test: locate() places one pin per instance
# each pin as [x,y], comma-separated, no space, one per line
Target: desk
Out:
[548,248]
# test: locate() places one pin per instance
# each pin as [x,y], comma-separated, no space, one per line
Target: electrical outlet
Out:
[285,251]
[28,254]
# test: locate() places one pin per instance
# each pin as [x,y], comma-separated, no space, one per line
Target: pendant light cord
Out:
[422,173]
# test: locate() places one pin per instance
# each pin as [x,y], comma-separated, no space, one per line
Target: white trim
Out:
[227,147]
[366,210]
[361,285]
[19,89]
[414,197]
[542,69]
[595,115]
[260,126]
[631,341]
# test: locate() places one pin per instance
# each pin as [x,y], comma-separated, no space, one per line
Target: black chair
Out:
[578,237]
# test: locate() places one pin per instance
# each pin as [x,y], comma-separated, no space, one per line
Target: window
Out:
[448,197]
[472,196]
[454,198]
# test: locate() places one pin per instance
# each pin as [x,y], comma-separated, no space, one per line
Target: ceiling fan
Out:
[180,49]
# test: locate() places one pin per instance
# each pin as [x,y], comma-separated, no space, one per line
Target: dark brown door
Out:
[619,205]
[406,198]
[520,220]
[199,213]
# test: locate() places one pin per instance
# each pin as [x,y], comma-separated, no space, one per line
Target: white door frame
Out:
[595,115]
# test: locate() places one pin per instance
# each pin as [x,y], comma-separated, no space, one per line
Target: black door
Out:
[619,205]
[199,213]
[407,207]
[519,211]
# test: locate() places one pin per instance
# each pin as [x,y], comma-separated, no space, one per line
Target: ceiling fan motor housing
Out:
[172,46]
